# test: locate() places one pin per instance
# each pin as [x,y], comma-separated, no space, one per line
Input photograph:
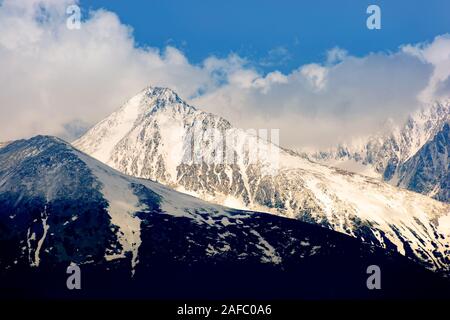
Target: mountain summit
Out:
[157,136]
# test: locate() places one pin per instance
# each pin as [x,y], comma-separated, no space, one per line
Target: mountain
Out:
[428,171]
[135,238]
[385,154]
[3,144]
[156,135]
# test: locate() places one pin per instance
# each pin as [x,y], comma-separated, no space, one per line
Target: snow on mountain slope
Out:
[63,167]
[428,171]
[383,155]
[158,136]
[58,206]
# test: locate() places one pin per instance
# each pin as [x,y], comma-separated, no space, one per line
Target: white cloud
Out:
[318,105]
[316,75]
[336,55]
[277,56]
[437,54]
[57,81]
[51,76]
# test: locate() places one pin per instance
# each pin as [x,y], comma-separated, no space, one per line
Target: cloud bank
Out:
[59,81]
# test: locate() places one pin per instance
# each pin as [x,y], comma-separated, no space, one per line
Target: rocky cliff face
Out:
[428,171]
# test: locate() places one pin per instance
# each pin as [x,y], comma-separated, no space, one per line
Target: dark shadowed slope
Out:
[428,170]
[134,238]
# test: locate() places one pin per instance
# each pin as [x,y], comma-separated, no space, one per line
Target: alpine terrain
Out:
[157,136]
[134,238]
[413,156]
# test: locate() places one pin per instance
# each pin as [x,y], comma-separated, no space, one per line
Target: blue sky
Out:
[257,63]
[277,34]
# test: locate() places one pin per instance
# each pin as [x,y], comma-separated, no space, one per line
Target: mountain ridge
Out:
[154,146]
[382,155]
[58,206]
[428,170]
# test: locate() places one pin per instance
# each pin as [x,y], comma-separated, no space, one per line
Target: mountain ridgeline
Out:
[134,238]
[146,138]
[428,171]
[413,155]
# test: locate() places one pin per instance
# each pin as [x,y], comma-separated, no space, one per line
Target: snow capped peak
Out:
[153,135]
[36,143]
[137,112]
[162,94]
[392,145]
[157,98]
[151,100]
